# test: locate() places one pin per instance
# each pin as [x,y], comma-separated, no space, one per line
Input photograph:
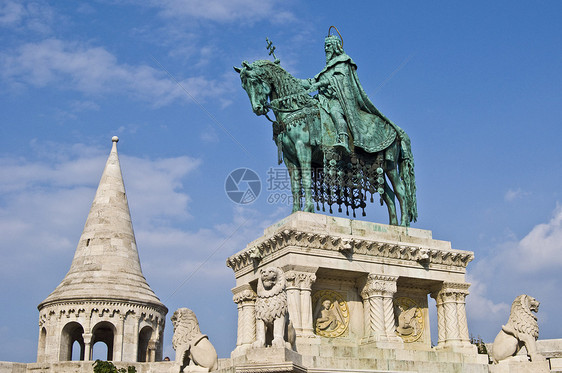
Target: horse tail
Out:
[406,169]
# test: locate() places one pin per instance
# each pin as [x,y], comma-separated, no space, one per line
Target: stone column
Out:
[134,347]
[151,353]
[119,335]
[87,346]
[461,312]
[88,335]
[306,281]
[378,294]
[245,299]
[451,315]
[294,300]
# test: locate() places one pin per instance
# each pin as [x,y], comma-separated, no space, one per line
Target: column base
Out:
[462,347]
[240,351]
[384,342]
[264,355]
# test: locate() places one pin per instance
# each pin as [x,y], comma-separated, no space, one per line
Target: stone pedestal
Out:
[268,359]
[516,366]
[359,286]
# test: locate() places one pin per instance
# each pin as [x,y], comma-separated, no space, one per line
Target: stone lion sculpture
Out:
[271,310]
[521,330]
[193,349]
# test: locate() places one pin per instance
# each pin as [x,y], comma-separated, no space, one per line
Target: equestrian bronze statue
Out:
[338,148]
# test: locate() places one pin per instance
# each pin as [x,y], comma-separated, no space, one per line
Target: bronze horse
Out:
[307,148]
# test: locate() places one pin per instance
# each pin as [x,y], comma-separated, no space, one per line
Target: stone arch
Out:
[104,332]
[72,332]
[145,336]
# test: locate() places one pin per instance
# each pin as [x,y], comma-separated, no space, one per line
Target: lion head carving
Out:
[522,318]
[272,310]
[271,302]
[186,327]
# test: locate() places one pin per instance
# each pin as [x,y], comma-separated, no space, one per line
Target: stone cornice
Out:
[350,245]
[104,310]
[100,305]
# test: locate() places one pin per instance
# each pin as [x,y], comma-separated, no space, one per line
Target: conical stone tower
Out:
[104,297]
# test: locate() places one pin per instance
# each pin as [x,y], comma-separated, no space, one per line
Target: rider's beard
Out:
[329,56]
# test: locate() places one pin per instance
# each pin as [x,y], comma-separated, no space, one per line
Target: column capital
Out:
[451,292]
[243,293]
[306,280]
[376,284]
[300,277]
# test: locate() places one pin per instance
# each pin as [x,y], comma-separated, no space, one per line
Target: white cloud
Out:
[513,194]
[530,266]
[35,16]
[541,249]
[223,11]
[11,13]
[481,308]
[95,71]
[155,187]
[44,204]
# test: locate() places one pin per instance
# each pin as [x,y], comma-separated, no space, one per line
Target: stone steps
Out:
[354,359]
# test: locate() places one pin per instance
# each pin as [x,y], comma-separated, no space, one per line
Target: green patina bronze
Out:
[339,149]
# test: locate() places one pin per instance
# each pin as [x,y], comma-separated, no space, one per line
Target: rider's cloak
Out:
[370,130]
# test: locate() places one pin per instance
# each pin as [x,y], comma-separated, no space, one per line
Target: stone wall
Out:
[8,367]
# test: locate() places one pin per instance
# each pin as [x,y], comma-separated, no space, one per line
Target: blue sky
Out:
[477,86]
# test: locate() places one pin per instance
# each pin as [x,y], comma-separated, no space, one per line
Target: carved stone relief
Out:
[331,314]
[409,319]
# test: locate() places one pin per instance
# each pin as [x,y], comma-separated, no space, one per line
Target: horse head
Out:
[252,77]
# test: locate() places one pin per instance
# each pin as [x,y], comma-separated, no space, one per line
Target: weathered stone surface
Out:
[104,296]
[106,263]
[374,273]
[514,366]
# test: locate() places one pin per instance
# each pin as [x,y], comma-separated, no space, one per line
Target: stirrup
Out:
[342,144]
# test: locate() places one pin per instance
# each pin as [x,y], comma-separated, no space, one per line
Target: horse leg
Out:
[388,198]
[400,191]
[391,156]
[304,155]
[295,176]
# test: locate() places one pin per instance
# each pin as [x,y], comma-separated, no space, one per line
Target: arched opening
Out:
[143,354]
[41,345]
[104,332]
[72,332]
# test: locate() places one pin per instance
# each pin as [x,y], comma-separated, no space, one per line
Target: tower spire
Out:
[106,268]
[106,264]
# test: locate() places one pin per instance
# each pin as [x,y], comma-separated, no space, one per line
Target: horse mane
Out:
[285,84]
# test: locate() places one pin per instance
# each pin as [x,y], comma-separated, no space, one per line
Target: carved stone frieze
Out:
[102,310]
[311,240]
